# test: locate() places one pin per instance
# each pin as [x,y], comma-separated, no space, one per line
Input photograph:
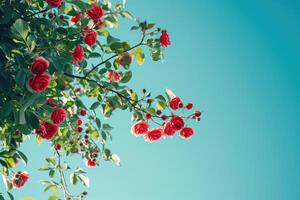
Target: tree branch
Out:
[62,179]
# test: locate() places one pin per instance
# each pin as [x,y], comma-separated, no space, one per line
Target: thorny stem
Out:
[36,13]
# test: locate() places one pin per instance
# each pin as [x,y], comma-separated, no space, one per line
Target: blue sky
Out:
[238,62]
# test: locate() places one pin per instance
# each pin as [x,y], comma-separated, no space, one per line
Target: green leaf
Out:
[73,178]
[85,180]
[107,127]
[33,120]
[20,28]
[11,197]
[95,105]
[98,122]
[126,78]
[161,105]
[21,77]
[51,161]
[139,55]
[53,198]
[6,109]
[23,157]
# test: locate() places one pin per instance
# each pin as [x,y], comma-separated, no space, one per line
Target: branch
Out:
[36,13]
[113,56]
[62,179]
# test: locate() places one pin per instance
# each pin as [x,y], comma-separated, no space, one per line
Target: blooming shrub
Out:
[45,46]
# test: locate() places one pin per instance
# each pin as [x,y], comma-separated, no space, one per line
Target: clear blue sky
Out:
[239,62]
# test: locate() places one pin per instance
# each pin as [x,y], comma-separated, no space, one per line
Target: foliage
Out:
[45,75]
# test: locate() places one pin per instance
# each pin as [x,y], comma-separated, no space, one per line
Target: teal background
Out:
[238,61]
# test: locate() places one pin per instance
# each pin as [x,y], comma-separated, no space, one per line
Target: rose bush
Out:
[53,55]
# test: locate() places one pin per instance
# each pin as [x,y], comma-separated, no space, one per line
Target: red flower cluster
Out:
[96,12]
[165,39]
[78,54]
[54,3]
[58,116]
[114,76]
[20,179]
[47,130]
[51,102]
[40,82]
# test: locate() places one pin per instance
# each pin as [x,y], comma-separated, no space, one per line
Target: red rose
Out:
[90,163]
[58,116]
[125,59]
[90,38]
[177,123]
[39,66]
[79,122]
[140,128]
[54,3]
[75,19]
[20,179]
[113,76]
[154,135]
[47,130]
[95,12]
[78,54]
[83,112]
[168,129]
[189,106]
[165,39]
[57,147]
[187,132]
[39,83]
[175,103]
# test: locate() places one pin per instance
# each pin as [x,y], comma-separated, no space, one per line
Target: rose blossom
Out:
[140,128]
[75,19]
[187,132]
[20,179]
[47,130]
[57,147]
[39,83]
[54,3]
[90,163]
[95,12]
[175,103]
[154,135]
[58,116]
[177,123]
[165,39]
[168,129]
[90,38]
[113,76]
[39,66]
[78,54]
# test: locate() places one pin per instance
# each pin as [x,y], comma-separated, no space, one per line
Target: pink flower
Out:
[154,135]
[187,133]
[140,128]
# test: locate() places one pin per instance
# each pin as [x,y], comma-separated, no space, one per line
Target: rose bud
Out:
[148,115]
[57,147]
[164,117]
[197,114]
[189,106]
[90,163]
[83,112]
[165,39]
[20,179]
